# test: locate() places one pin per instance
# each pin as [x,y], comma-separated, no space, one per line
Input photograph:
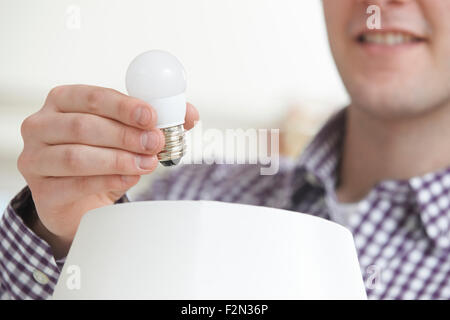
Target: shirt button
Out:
[40,277]
[311,178]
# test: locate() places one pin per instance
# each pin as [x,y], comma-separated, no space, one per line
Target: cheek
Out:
[437,13]
[442,55]
[337,16]
[444,37]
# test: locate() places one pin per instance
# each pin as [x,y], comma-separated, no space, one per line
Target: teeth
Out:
[388,38]
[391,39]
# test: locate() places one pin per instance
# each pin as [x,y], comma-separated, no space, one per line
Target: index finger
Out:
[192,116]
[105,102]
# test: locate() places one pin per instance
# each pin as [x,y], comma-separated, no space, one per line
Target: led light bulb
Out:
[158,78]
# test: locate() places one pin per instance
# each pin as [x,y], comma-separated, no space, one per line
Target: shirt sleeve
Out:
[28,269]
[182,183]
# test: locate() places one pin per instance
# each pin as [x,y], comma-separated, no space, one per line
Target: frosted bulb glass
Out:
[158,78]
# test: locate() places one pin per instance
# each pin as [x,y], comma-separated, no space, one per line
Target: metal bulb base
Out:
[174,148]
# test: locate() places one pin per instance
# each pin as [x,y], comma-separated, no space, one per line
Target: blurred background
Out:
[250,63]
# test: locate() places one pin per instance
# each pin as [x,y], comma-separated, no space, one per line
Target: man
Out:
[381,166]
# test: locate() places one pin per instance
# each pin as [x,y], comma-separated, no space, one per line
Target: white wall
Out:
[246,60]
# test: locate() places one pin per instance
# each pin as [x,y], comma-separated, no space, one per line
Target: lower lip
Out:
[379,49]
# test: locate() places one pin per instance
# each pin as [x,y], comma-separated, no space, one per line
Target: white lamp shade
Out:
[208,250]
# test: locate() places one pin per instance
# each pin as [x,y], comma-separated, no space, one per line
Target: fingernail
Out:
[145,163]
[142,116]
[150,141]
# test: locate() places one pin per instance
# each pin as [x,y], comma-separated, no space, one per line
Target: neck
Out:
[377,149]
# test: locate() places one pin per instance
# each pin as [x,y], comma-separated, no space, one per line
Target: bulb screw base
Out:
[175,146]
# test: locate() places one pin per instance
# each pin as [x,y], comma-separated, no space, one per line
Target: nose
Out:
[383,3]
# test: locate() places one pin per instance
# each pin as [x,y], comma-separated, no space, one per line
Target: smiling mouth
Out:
[389,38]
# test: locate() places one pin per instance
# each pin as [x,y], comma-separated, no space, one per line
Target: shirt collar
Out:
[320,160]
[429,194]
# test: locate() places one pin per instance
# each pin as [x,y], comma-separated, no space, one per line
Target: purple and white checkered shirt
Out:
[401,228]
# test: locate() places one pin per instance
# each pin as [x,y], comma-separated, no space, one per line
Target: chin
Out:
[389,103]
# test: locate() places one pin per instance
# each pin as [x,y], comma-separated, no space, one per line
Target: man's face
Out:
[401,70]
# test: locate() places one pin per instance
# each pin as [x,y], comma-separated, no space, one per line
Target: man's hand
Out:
[83,150]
